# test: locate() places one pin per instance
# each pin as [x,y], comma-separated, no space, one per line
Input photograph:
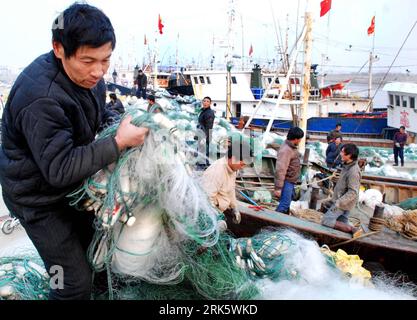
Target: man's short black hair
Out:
[240,148]
[113,96]
[295,133]
[151,98]
[207,98]
[83,25]
[338,125]
[402,127]
[352,150]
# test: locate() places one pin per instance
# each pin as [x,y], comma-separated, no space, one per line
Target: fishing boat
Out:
[387,248]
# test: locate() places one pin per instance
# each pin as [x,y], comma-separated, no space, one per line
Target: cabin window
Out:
[397,101]
[234,81]
[215,104]
[276,81]
[412,102]
[391,100]
[294,81]
[202,81]
[404,101]
[208,80]
[269,80]
[196,80]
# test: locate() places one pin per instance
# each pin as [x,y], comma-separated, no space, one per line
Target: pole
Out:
[243,44]
[371,54]
[308,44]
[314,198]
[176,62]
[155,65]
[229,63]
[371,61]
[229,91]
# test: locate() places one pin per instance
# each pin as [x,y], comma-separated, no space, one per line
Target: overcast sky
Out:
[25,30]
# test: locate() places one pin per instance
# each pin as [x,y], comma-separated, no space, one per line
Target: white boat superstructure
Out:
[212,83]
[402,105]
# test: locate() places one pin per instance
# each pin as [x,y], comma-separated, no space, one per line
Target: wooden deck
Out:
[388,248]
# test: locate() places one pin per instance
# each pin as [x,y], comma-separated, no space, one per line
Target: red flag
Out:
[340,85]
[250,51]
[371,29]
[160,25]
[325,5]
[145,42]
[328,91]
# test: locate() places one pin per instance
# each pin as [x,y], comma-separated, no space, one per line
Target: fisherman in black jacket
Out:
[115,104]
[53,114]
[205,123]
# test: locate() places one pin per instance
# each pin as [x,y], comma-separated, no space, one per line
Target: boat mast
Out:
[294,52]
[277,28]
[155,65]
[229,63]
[176,61]
[243,43]
[371,60]
[308,46]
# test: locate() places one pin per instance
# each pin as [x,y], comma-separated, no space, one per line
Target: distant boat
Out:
[402,106]
[180,84]
[323,112]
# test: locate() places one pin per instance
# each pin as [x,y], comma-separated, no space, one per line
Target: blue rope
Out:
[249,199]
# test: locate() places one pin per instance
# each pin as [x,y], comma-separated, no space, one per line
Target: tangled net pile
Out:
[23,278]
[153,221]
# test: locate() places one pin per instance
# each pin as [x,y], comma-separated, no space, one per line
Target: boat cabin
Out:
[402,106]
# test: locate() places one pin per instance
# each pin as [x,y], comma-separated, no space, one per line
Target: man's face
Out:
[346,158]
[402,130]
[206,103]
[297,141]
[87,66]
[338,128]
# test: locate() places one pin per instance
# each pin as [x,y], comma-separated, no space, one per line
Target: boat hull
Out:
[386,248]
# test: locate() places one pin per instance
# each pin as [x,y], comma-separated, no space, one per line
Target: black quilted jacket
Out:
[48,135]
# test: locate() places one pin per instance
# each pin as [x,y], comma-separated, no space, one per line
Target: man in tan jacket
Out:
[288,169]
[219,180]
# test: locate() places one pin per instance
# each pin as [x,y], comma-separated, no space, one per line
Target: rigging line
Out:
[297,26]
[358,73]
[277,33]
[386,74]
